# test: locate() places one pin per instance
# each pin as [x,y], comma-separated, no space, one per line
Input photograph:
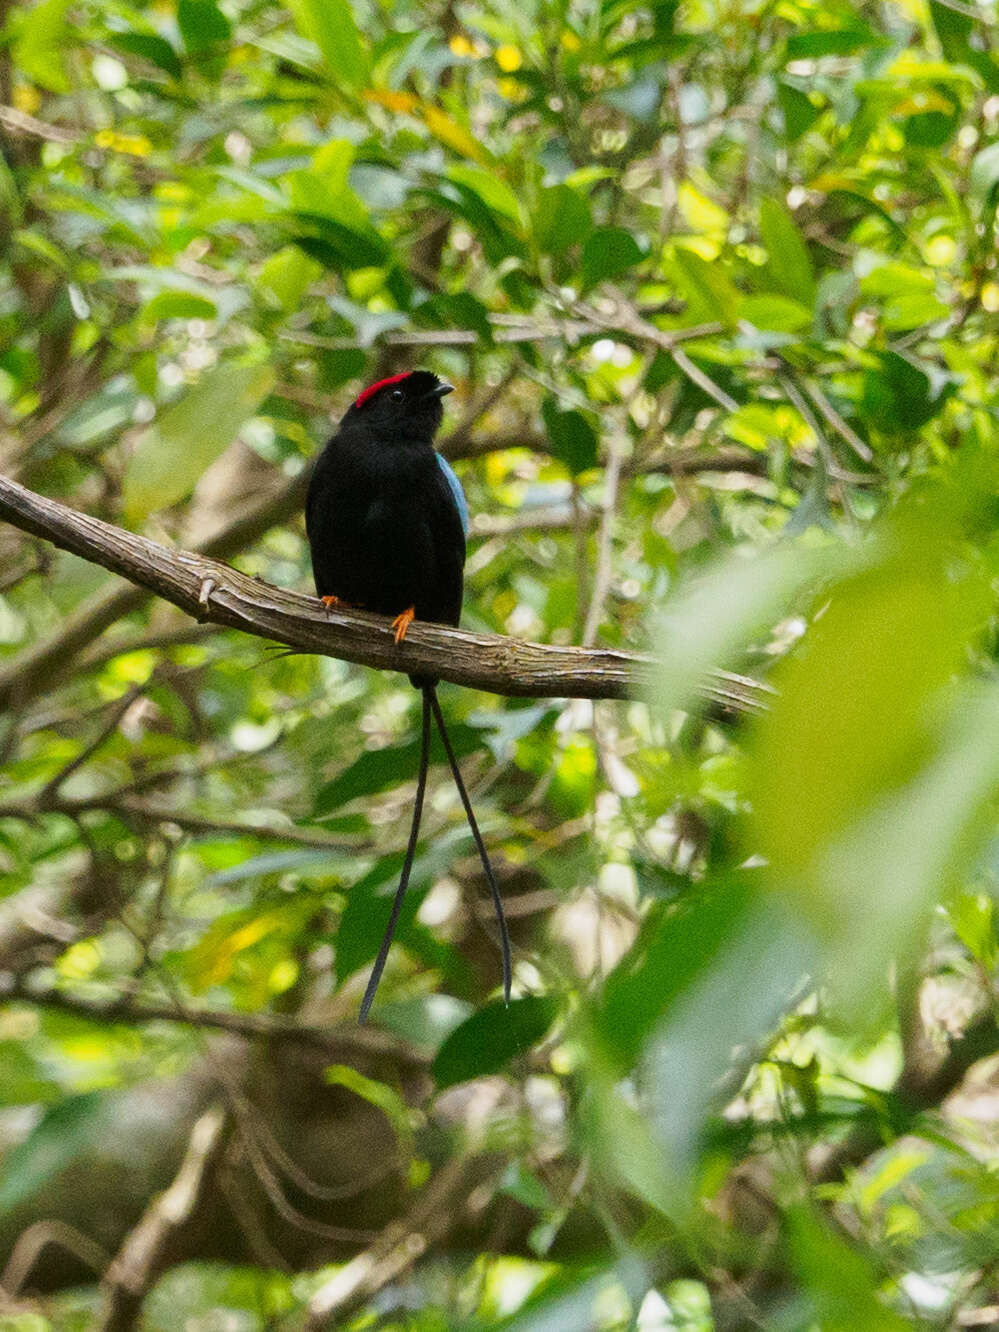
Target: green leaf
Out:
[562,218]
[608,252]
[984,175]
[839,1280]
[363,922]
[799,111]
[790,267]
[330,24]
[55,1142]
[866,798]
[382,1097]
[38,48]
[907,295]
[973,916]
[378,769]
[573,440]
[492,1037]
[189,435]
[900,395]
[711,295]
[777,313]
[178,305]
[286,276]
[202,25]
[149,47]
[487,186]
[22,1080]
[831,42]
[675,946]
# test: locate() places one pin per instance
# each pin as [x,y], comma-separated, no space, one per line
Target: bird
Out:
[386,520]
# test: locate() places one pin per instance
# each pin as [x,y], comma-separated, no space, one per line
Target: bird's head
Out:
[406,406]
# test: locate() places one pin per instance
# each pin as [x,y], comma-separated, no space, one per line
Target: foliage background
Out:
[716,283]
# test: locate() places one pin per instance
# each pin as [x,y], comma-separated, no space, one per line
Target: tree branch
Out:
[140,1259]
[41,666]
[339,1044]
[438,1210]
[216,593]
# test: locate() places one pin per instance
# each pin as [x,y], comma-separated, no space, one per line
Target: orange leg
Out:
[402,622]
[338,603]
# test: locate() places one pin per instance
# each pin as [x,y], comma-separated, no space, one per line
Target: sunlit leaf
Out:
[330,24]
[189,435]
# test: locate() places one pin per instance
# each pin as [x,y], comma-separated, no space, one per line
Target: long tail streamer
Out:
[407,866]
[504,933]
[431,705]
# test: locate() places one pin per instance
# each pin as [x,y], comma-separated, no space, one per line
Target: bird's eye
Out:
[397,395]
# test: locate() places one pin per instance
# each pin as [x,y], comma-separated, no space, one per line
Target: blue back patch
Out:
[456,491]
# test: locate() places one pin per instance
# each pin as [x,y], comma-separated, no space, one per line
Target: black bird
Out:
[387,519]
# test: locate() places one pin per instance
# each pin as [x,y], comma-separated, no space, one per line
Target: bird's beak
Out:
[442,390]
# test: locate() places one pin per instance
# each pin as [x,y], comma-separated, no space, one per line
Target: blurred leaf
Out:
[775,312]
[840,1281]
[562,218]
[363,921]
[676,945]
[278,862]
[330,24]
[607,253]
[286,276]
[877,792]
[382,1097]
[830,42]
[984,178]
[900,395]
[709,292]
[973,917]
[22,1081]
[178,305]
[57,1139]
[907,295]
[487,186]
[707,623]
[493,1036]
[799,111]
[573,439]
[38,46]
[190,434]
[790,266]
[426,1021]
[378,769]
[147,46]
[202,25]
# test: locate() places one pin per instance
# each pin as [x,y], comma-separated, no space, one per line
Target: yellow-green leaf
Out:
[173,452]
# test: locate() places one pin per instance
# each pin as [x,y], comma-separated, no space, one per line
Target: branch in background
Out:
[214,592]
[194,823]
[918,1089]
[36,670]
[441,1206]
[339,1045]
[140,1259]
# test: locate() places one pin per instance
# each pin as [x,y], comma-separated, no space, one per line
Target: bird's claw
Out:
[402,622]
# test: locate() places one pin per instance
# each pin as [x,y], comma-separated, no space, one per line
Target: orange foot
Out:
[402,622]
[337,603]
